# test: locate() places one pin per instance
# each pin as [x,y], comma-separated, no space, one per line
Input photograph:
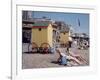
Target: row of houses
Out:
[45,33]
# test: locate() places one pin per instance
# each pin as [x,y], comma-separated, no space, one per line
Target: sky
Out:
[72,19]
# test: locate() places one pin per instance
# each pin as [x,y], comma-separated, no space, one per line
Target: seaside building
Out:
[42,34]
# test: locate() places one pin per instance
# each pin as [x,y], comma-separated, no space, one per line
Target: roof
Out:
[28,21]
[42,24]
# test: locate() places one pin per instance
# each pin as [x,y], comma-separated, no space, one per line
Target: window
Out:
[39,29]
[64,33]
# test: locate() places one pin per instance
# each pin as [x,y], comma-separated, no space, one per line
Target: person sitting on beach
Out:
[63,59]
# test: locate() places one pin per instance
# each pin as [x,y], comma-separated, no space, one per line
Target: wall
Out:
[64,37]
[50,35]
[39,37]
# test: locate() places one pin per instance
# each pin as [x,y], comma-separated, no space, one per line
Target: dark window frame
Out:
[40,29]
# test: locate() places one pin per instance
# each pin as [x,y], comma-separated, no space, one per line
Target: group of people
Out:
[71,54]
[83,44]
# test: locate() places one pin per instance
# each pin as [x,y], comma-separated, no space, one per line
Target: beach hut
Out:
[42,34]
[64,38]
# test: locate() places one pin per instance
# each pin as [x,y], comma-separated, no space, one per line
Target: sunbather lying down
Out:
[63,58]
[75,54]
